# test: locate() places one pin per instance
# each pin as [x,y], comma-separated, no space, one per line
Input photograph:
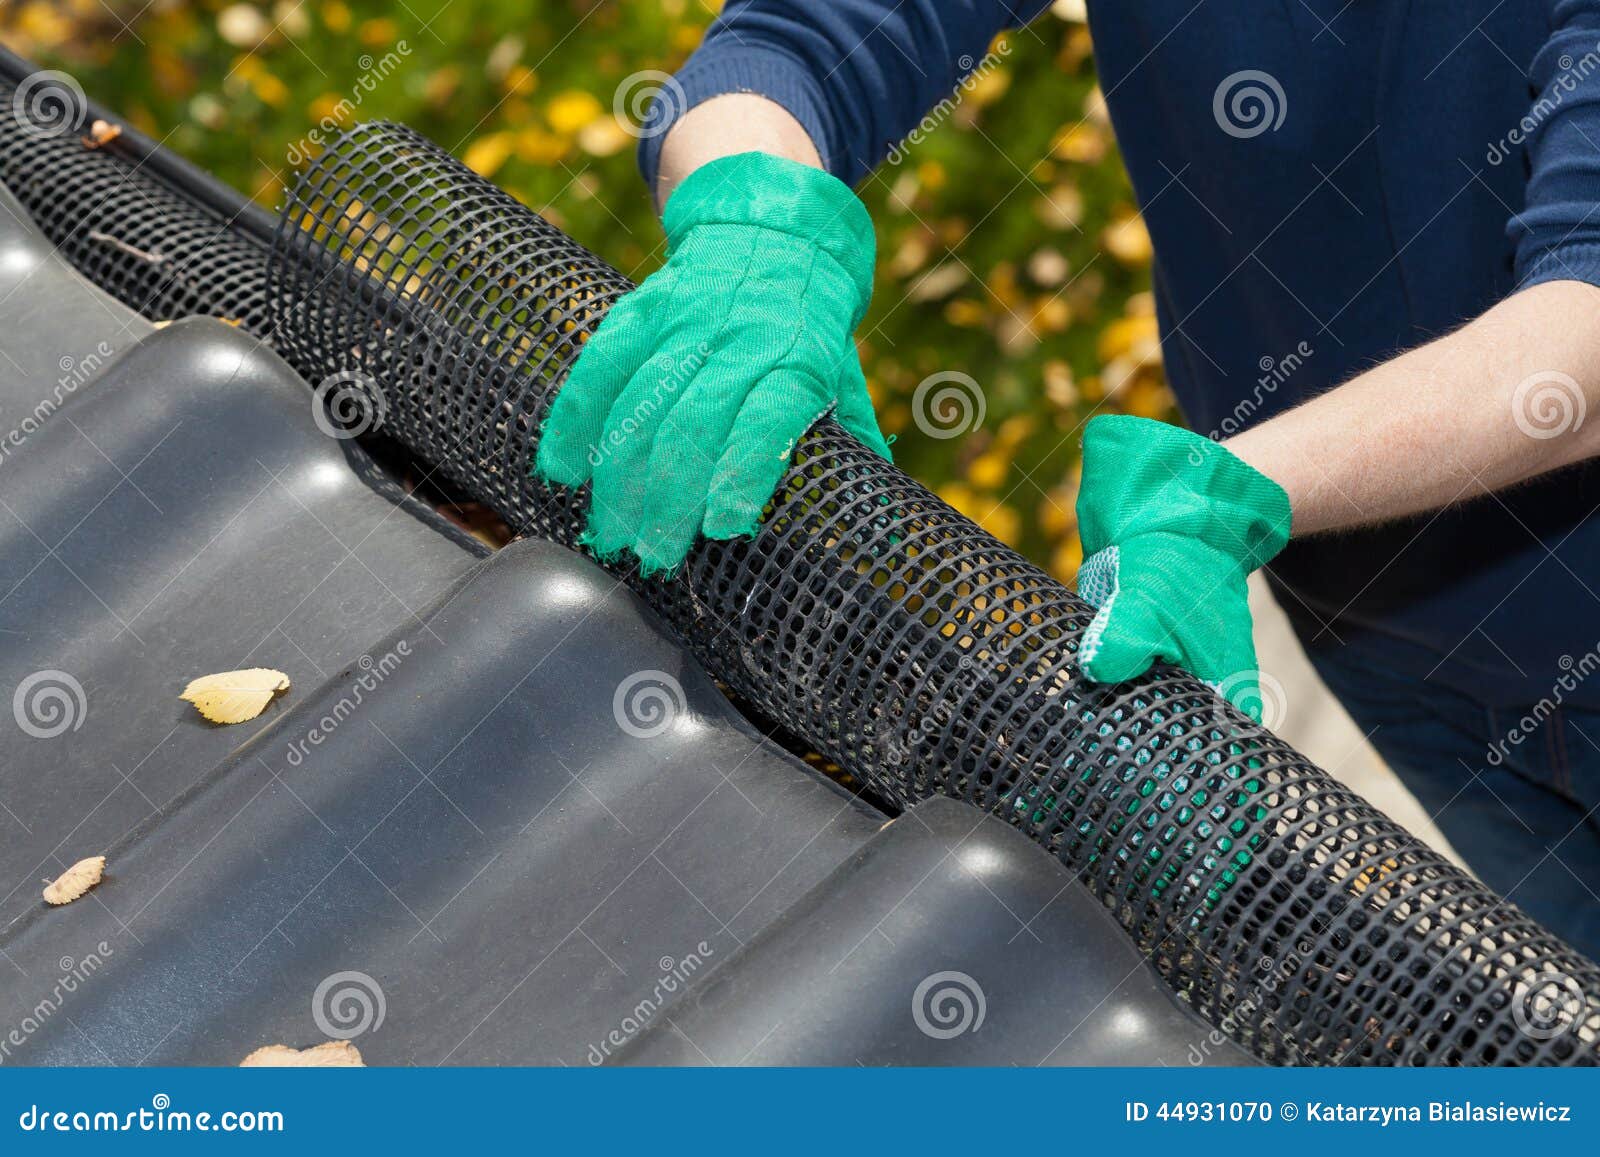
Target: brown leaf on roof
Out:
[75,881]
[235,696]
[333,1054]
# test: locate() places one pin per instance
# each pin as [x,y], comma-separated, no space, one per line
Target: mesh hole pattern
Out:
[872,619]
[884,628]
[158,252]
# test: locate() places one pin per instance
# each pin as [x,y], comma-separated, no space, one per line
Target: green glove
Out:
[686,404]
[1172,525]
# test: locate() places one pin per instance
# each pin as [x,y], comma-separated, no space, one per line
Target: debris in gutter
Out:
[101,133]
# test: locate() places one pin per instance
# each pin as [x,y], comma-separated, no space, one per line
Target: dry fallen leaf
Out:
[235,696]
[101,133]
[333,1054]
[75,881]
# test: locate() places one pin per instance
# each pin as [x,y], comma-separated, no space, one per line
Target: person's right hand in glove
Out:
[685,406]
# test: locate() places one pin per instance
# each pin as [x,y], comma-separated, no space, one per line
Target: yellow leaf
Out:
[1128,334]
[538,147]
[1066,560]
[333,1054]
[485,155]
[521,80]
[605,137]
[988,471]
[270,89]
[336,15]
[235,696]
[571,110]
[1128,241]
[378,32]
[243,26]
[1083,142]
[75,881]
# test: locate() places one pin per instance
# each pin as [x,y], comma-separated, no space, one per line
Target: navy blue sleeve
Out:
[857,74]
[1558,231]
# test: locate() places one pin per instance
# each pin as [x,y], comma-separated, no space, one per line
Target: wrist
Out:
[1145,477]
[772,192]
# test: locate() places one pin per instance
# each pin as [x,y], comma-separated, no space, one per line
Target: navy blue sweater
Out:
[1327,184]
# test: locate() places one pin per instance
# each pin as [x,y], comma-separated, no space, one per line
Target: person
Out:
[1400,203]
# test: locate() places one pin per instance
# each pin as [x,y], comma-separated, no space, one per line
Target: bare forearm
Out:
[728,125]
[1497,402]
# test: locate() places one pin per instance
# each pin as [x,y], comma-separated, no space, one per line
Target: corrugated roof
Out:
[449,837]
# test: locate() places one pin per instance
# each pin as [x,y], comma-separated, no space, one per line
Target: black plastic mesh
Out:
[867,616]
[114,214]
[926,657]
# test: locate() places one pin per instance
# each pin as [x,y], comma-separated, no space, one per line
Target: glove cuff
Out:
[774,193]
[1146,477]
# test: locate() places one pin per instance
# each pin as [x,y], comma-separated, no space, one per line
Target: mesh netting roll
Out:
[871,619]
[881,626]
[115,214]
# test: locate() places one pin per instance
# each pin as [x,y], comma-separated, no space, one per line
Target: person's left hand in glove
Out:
[1172,526]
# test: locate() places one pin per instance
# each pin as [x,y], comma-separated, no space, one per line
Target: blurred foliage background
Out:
[1009,247]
